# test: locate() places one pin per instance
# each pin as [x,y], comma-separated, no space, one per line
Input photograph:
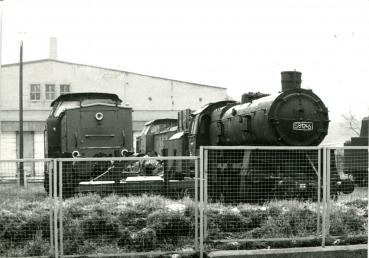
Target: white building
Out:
[43,80]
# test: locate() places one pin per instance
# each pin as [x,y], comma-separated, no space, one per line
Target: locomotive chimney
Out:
[291,80]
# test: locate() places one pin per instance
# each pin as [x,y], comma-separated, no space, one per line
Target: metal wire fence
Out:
[256,193]
[256,197]
[26,212]
[128,205]
[347,211]
[227,198]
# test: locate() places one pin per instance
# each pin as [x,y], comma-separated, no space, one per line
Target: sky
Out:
[240,45]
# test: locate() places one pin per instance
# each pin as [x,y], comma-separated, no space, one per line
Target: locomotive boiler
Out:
[86,125]
[293,117]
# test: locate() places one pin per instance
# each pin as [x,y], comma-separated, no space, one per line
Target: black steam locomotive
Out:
[86,125]
[356,161]
[293,117]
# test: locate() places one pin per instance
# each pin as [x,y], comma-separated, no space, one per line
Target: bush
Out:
[170,225]
[292,223]
[132,218]
[100,225]
[230,221]
[347,222]
[358,203]
[38,246]
[145,239]
[256,216]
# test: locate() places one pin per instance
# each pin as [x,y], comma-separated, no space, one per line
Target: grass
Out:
[113,224]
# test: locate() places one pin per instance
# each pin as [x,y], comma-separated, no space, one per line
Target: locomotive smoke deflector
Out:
[291,80]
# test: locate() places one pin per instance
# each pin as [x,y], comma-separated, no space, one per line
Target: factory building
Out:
[44,80]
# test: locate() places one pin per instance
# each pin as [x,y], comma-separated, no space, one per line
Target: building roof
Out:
[104,68]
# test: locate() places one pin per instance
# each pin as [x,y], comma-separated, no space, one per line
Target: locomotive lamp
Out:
[75,154]
[99,116]
[124,152]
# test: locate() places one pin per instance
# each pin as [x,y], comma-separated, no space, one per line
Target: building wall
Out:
[150,97]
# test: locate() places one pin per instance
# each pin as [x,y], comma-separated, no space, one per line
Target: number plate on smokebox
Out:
[303,126]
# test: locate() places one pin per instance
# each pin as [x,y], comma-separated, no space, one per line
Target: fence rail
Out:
[225,198]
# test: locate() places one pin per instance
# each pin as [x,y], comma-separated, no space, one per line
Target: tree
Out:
[351,122]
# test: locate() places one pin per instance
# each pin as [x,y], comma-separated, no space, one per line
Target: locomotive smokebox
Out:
[291,80]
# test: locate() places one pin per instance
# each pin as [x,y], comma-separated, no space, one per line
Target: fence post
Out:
[60,204]
[328,189]
[50,172]
[55,204]
[201,202]
[197,204]
[206,161]
[324,196]
[319,190]
[25,183]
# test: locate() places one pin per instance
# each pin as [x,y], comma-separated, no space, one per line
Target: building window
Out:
[50,91]
[35,92]
[64,88]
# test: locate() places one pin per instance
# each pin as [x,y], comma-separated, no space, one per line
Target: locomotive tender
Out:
[356,161]
[87,125]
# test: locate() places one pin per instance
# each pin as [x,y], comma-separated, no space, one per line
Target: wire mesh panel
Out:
[25,228]
[125,205]
[260,194]
[348,209]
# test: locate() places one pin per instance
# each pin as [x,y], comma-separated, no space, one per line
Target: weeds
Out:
[111,224]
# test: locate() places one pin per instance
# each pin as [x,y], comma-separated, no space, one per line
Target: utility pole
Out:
[1,35]
[21,164]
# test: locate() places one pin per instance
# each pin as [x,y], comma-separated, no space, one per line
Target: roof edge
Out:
[110,69]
